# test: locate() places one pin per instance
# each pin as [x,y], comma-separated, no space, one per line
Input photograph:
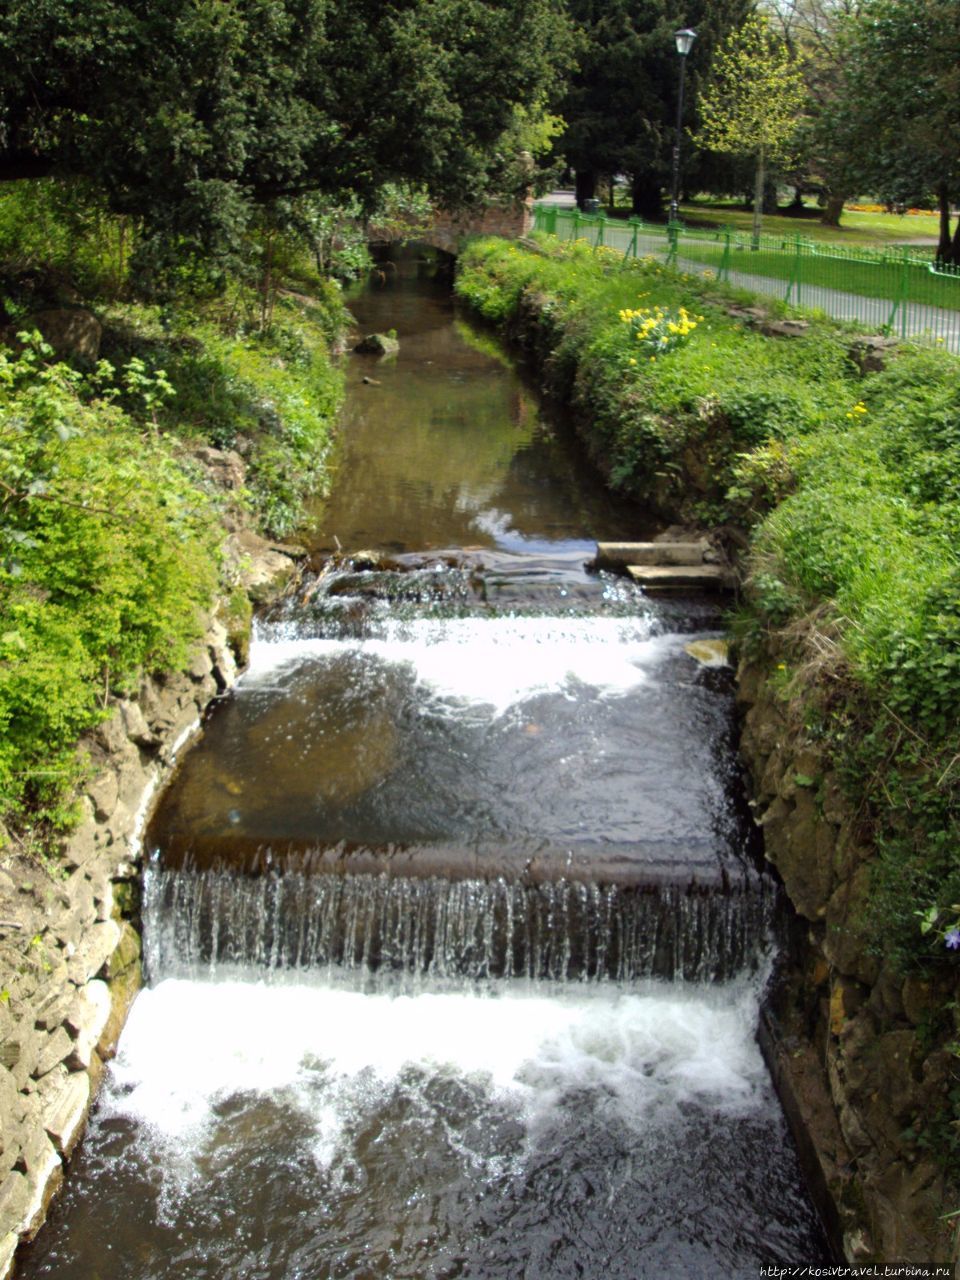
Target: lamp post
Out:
[684,39]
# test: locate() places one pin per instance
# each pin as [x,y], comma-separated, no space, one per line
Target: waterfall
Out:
[195,921]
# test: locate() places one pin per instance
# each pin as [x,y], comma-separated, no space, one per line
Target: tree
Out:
[897,116]
[190,114]
[812,30]
[752,105]
[621,103]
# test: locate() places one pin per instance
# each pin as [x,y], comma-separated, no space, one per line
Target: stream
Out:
[455,921]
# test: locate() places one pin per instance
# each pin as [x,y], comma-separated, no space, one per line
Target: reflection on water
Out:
[447,446]
[454,1065]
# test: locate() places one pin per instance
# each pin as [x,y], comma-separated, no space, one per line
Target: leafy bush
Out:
[109,556]
[273,394]
[873,530]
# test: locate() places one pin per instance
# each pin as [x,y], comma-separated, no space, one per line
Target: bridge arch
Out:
[450,231]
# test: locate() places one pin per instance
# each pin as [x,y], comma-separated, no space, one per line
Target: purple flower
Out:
[951,939]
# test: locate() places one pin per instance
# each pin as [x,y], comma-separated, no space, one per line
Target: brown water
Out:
[452,448]
[454,921]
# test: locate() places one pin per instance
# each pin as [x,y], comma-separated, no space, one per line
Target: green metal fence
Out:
[893,290]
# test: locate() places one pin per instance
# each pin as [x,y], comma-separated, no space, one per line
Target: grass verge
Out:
[849,486]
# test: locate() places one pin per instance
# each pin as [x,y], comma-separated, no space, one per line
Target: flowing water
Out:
[454,919]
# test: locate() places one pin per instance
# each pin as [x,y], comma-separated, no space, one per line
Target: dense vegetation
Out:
[109,529]
[192,173]
[203,120]
[849,487]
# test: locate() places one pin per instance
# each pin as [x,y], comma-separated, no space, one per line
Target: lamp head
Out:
[684,39]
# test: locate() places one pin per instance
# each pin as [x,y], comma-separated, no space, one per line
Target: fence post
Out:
[723,271]
[904,291]
[551,220]
[576,224]
[901,299]
[672,233]
[633,222]
[794,268]
[601,227]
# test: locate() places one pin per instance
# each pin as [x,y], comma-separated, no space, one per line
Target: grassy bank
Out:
[110,527]
[848,487]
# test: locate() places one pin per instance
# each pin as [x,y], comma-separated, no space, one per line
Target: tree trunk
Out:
[758,199]
[955,248]
[266,286]
[586,185]
[646,197]
[832,209]
[944,248]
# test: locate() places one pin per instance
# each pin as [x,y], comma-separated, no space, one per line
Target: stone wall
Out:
[448,231]
[508,220]
[851,1044]
[69,941]
[69,948]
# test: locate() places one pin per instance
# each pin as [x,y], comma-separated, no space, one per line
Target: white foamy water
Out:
[492,661]
[189,1047]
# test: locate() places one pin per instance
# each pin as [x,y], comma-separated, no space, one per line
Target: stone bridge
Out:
[450,231]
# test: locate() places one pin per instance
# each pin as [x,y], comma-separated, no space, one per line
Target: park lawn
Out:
[856,229]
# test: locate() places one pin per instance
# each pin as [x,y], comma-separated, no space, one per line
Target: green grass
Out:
[274,394]
[851,487]
[866,230]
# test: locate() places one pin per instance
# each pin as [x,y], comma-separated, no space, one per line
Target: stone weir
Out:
[419,918]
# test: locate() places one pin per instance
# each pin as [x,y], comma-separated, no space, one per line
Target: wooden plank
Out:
[622,554]
[704,577]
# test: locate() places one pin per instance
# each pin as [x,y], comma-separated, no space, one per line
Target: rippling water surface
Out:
[454,918]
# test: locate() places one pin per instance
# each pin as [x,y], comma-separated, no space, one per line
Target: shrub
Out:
[109,558]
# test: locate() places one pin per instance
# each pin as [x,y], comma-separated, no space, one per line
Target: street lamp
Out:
[684,39]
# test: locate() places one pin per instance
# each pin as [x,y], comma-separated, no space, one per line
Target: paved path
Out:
[911,320]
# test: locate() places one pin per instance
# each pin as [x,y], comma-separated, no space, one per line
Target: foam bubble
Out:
[190,1046]
[492,661]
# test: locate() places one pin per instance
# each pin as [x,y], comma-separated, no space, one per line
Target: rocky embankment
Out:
[853,1046]
[69,941]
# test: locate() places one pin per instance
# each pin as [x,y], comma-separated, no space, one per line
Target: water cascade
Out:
[454,919]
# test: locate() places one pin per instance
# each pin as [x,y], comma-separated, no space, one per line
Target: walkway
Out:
[939,324]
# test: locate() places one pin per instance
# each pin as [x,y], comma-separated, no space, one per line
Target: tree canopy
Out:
[752,105]
[621,103]
[190,113]
[897,113]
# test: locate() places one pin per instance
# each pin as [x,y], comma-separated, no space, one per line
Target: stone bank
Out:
[849,1040]
[69,940]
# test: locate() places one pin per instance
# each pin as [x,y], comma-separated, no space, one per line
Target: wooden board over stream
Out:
[682,577]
